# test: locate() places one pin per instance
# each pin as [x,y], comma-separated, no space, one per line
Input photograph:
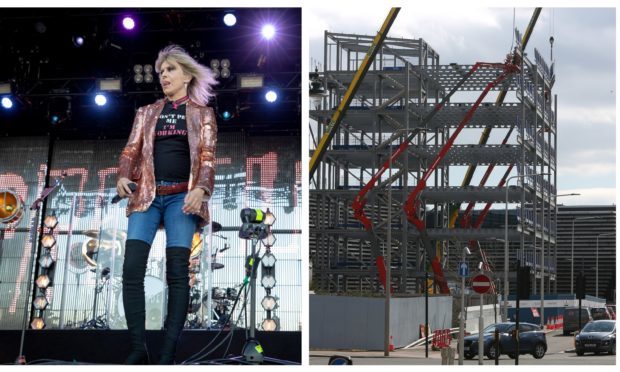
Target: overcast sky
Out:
[585,55]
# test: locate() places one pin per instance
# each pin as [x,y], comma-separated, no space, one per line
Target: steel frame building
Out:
[578,229]
[403,85]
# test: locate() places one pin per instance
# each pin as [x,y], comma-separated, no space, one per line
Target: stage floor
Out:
[112,346]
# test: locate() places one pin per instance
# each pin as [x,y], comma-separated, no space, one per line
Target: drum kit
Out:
[102,253]
[222,299]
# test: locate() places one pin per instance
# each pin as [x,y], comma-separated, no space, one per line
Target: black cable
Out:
[196,358]
[197,355]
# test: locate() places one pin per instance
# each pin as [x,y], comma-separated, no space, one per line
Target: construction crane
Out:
[336,118]
[484,137]
[510,66]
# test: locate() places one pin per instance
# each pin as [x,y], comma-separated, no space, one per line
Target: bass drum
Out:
[11,207]
[154,296]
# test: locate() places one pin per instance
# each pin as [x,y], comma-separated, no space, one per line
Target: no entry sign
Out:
[481,283]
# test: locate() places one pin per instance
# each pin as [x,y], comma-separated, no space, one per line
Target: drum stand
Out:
[101,321]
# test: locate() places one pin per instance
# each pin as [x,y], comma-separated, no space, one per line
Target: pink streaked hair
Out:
[200,88]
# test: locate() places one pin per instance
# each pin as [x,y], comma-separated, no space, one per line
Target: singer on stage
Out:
[170,156]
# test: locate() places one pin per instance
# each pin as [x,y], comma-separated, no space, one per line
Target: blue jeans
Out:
[166,209]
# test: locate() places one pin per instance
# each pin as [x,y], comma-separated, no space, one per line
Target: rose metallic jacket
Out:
[136,160]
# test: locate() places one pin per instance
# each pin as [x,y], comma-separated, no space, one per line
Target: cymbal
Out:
[106,234]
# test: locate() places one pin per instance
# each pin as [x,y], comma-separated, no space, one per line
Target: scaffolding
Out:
[395,141]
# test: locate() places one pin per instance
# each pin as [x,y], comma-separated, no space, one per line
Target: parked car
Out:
[532,340]
[571,319]
[600,313]
[597,336]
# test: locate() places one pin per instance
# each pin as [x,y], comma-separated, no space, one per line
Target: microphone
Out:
[117,198]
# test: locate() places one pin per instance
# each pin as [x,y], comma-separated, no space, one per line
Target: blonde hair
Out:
[200,88]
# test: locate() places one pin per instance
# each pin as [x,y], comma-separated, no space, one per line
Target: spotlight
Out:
[100,100]
[7,103]
[51,221]
[269,303]
[230,20]
[269,260]
[40,27]
[40,303]
[137,69]
[5,88]
[48,241]
[46,261]
[269,325]
[215,63]
[129,23]
[270,219]
[37,323]
[250,81]
[271,96]
[43,281]
[78,41]
[268,281]
[225,74]
[227,115]
[148,74]
[269,240]
[268,31]
[138,78]
[59,109]
[110,85]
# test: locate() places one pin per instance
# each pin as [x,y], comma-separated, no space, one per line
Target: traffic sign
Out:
[463,269]
[481,283]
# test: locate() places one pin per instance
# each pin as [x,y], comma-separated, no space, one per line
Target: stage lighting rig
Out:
[253,224]
[257,225]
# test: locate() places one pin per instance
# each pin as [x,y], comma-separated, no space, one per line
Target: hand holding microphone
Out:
[124,188]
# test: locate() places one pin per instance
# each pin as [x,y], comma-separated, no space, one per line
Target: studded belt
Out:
[171,189]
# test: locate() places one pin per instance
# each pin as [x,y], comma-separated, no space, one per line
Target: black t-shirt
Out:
[171,149]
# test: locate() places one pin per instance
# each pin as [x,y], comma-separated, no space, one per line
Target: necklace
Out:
[175,104]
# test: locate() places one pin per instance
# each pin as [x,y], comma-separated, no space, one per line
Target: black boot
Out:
[134,269]
[177,277]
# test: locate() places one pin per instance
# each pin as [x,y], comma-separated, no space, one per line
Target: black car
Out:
[597,336]
[532,341]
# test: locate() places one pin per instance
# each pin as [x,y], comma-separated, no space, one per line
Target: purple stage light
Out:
[78,41]
[129,23]
[268,31]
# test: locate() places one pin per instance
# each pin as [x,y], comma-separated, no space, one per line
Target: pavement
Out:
[560,350]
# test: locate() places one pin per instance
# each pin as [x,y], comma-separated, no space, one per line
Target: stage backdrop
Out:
[263,172]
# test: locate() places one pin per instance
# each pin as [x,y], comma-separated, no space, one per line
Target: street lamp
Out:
[598,236]
[505,312]
[572,247]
